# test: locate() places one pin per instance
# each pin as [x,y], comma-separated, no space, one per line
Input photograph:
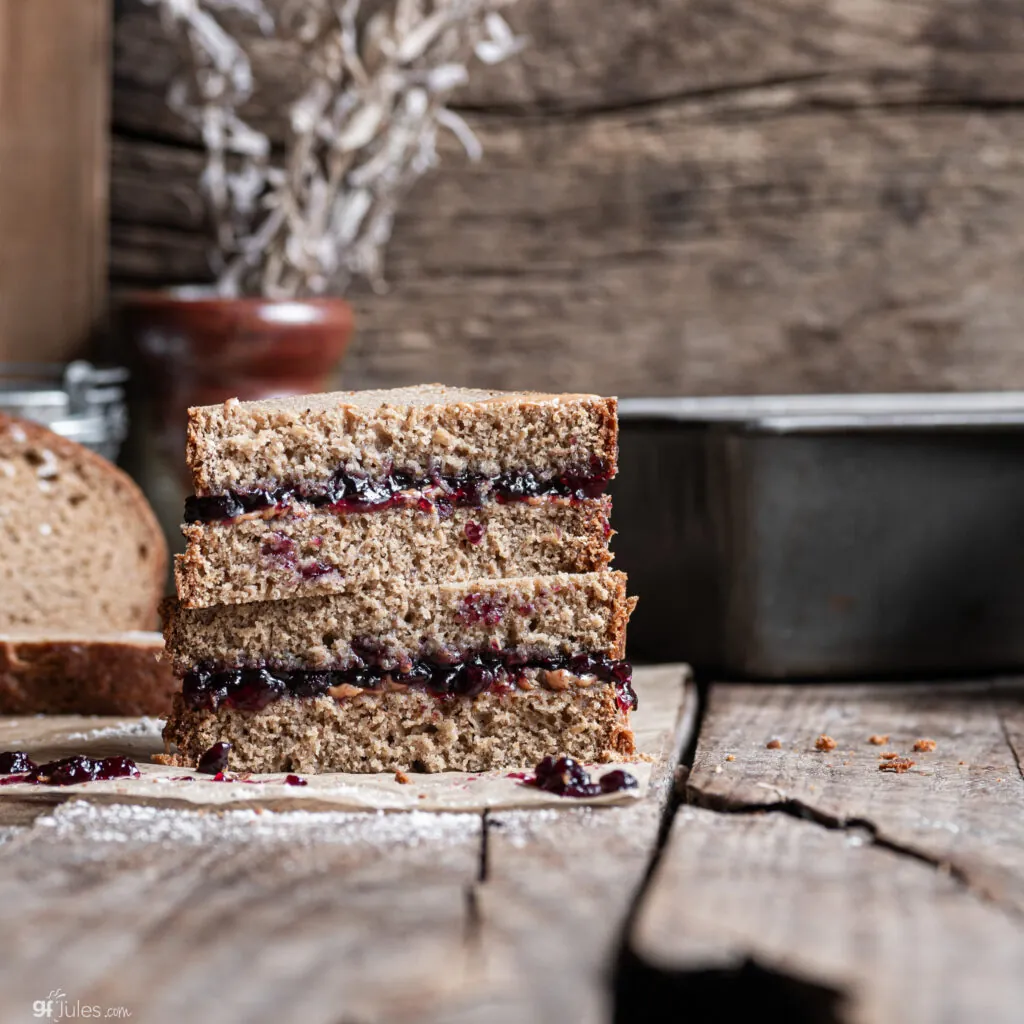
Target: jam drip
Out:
[567,777]
[69,771]
[215,760]
[14,762]
[350,492]
[252,689]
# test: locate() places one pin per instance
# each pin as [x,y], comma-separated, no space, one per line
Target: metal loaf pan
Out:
[827,536]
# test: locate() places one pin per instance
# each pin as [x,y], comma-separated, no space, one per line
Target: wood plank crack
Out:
[1009,742]
[582,112]
[869,832]
[769,914]
[808,883]
[958,809]
[558,889]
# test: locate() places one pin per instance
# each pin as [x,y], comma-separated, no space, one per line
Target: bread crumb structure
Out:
[825,743]
[80,548]
[925,745]
[898,765]
[406,580]
[879,740]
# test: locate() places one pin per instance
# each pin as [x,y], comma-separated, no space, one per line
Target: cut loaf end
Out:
[80,548]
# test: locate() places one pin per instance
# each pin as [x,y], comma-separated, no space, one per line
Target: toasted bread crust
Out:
[122,674]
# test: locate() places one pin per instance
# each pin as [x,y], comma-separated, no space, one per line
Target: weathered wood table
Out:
[758,876]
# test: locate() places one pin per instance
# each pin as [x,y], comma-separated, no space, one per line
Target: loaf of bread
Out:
[80,548]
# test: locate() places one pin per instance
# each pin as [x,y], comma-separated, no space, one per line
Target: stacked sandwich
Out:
[413,579]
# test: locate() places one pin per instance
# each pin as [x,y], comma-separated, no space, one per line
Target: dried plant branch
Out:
[312,220]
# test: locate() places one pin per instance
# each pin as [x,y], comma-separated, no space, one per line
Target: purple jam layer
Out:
[70,771]
[348,492]
[565,776]
[252,689]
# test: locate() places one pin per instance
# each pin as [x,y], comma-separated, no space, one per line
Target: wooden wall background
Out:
[54,111]
[678,196]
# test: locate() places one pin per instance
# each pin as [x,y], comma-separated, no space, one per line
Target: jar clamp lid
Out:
[78,400]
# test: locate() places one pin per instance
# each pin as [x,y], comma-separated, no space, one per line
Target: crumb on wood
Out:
[889,755]
[731,757]
[925,745]
[900,765]
[401,778]
[774,744]
[878,739]
[961,762]
[824,742]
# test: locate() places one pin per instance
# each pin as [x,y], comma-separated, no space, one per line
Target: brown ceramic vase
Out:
[187,347]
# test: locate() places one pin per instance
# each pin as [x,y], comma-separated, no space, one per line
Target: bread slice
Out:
[305,440]
[112,674]
[324,552]
[407,732]
[80,549]
[544,615]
